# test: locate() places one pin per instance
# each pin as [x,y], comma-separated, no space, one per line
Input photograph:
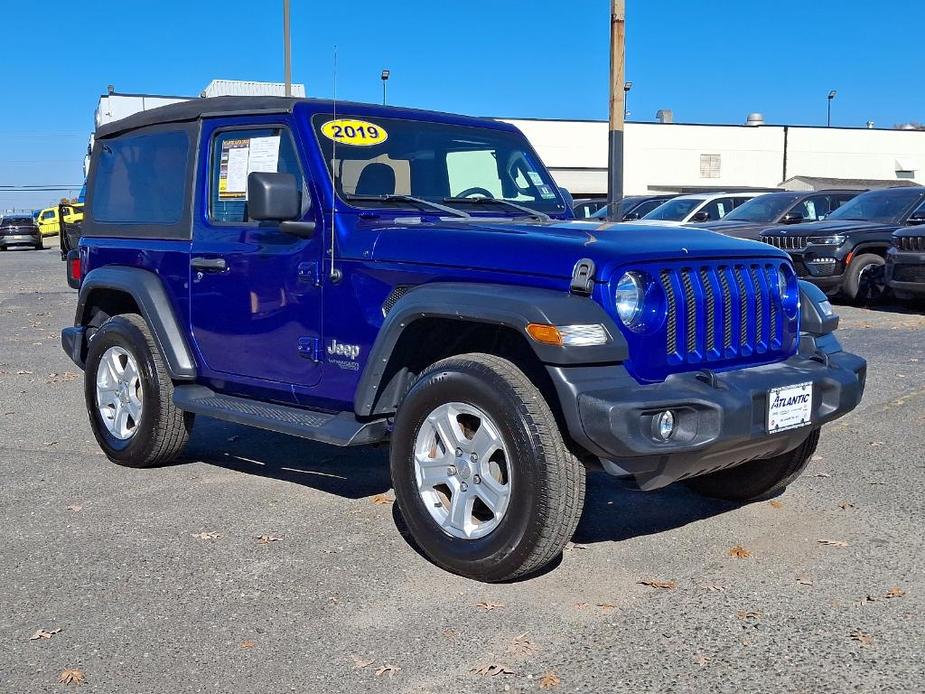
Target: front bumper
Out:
[20,240]
[822,265]
[720,417]
[905,271]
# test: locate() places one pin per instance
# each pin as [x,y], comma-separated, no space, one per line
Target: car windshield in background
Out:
[16,221]
[764,208]
[675,210]
[888,206]
[382,162]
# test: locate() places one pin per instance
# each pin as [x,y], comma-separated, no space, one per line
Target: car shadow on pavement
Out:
[614,512]
[352,473]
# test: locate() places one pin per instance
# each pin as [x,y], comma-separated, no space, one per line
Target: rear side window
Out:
[142,178]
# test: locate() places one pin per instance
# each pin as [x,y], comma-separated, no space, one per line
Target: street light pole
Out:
[617,105]
[287,49]
[385,78]
[828,119]
[626,99]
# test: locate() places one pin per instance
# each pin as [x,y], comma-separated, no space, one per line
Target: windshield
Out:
[884,206]
[675,210]
[764,208]
[378,158]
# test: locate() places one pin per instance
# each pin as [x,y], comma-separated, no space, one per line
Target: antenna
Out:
[335,274]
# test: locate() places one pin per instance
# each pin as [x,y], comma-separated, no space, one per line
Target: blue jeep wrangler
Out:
[356,274]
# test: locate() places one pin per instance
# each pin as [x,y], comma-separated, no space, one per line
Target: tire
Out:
[758,479]
[865,279]
[39,247]
[545,483]
[162,429]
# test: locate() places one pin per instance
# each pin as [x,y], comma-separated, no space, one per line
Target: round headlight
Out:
[786,293]
[628,298]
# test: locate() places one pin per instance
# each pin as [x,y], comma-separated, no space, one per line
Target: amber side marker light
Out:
[568,335]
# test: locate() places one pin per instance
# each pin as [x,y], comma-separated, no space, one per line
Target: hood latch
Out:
[583,277]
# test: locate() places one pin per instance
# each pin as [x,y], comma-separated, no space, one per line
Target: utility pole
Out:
[617,105]
[287,48]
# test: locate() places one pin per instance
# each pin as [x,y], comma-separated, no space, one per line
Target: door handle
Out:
[209,264]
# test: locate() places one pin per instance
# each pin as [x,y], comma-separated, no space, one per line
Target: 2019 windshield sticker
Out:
[358,133]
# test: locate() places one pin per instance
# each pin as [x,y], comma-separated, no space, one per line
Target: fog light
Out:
[664,425]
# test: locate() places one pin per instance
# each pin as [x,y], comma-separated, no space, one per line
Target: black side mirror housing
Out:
[272,197]
[916,219]
[792,218]
[701,216]
[630,216]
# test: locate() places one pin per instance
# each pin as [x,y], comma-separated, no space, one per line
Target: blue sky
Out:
[710,61]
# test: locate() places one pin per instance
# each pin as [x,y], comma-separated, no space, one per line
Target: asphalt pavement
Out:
[263,563]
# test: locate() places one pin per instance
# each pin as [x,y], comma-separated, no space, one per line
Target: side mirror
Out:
[702,216]
[275,197]
[792,218]
[631,217]
[917,219]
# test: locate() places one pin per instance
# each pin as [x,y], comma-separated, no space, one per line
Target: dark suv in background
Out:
[785,207]
[633,207]
[844,254]
[19,230]
[905,261]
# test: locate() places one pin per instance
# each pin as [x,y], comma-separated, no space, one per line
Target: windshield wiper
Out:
[409,199]
[541,216]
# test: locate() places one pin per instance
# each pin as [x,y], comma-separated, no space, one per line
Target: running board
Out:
[341,429]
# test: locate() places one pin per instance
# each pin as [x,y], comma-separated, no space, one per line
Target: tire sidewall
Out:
[490,555]
[865,260]
[118,332]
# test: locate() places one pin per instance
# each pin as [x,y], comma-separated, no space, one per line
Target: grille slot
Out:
[787,243]
[910,243]
[721,312]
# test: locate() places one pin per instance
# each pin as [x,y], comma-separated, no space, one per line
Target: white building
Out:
[679,157]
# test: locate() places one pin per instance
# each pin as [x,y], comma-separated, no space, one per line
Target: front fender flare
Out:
[154,305]
[493,304]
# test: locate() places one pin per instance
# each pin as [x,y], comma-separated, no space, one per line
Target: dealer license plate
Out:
[790,407]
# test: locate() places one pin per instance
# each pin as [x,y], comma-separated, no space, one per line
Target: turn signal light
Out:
[568,335]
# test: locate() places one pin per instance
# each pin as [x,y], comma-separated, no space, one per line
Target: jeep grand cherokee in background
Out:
[363,274]
[844,255]
[783,207]
[19,230]
[905,261]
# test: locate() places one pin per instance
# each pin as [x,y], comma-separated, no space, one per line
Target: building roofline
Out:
[709,125]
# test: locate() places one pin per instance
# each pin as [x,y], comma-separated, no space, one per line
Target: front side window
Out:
[675,210]
[238,153]
[762,209]
[374,158]
[141,178]
[887,206]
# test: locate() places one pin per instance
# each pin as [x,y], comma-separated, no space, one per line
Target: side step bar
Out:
[336,429]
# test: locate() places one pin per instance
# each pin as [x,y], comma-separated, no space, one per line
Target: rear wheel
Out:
[758,479]
[482,476]
[129,396]
[865,280]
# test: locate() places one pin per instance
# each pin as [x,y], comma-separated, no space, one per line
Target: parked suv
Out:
[699,207]
[19,230]
[845,254]
[633,207]
[905,261]
[356,274]
[784,207]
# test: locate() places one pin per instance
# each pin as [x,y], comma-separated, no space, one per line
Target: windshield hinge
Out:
[583,277]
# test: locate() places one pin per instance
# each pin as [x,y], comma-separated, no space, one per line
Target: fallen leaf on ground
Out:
[581,605]
[816,458]
[833,543]
[72,676]
[739,552]
[701,659]
[822,474]
[549,680]
[748,615]
[492,670]
[489,606]
[521,645]
[248,644]
[876,443]
[776,504]
[716,589]
[206,536]
[804,580]
[51,443]
[895,592]
[449,633]
[606,606]
[74,508]
[655,583]
[387,669]
[267,539]
[360,662]
[845,505]
[23,372]
[862,638]
[382,499]
[43,634]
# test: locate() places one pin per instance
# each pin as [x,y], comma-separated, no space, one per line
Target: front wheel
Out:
[758,479]
[129,396]
[482,476]
[865,280]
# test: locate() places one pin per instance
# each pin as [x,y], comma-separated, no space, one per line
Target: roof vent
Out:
[664,115]
[755,119]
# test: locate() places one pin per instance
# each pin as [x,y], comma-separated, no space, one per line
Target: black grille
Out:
[737,301]
[909,273]
[909,243]
[787,243]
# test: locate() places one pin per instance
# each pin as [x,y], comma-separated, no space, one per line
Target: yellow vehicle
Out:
[49,220]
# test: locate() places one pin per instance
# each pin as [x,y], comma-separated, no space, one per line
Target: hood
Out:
[553,248]
[826,227]
[734,227]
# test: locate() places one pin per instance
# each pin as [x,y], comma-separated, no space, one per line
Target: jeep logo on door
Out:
[339,349]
